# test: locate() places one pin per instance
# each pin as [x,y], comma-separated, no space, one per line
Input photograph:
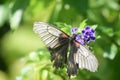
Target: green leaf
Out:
[64,27]
[94,26]
[44,74]
[83,24]
[16,19]
[112,53]
[17,13]
[4,12]
[98,37]
[33,56]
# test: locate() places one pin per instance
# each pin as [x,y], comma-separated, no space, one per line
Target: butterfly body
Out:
[58,43]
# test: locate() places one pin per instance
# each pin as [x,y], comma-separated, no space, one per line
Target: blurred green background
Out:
[23,56]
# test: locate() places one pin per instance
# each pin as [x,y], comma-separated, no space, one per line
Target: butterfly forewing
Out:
[56,40]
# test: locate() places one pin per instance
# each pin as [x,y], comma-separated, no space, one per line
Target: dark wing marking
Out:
[72,66]
[56,40]
[59,55]
[85,59]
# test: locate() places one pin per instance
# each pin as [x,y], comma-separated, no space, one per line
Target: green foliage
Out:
[3,14]
[64,27]
[82,24]
[39,66]
[19,15]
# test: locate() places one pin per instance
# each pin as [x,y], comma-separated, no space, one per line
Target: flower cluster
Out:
[87,35]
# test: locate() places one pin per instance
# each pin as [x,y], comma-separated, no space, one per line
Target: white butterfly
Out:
[58,42]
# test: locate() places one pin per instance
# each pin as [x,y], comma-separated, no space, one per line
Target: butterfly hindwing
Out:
[81,57]
[85,59]
[56,40]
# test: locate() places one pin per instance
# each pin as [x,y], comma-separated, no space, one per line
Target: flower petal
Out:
[79,39]
[74,30]
[87,28]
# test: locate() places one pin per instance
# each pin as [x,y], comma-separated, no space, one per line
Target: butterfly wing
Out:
[82,58]
[85,58]
[56,40]
[72,66]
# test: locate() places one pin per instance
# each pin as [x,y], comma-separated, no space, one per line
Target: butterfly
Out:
[58,43]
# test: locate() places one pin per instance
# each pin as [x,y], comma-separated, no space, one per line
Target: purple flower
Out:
[92,30]
[79,39]
[93,38]
[87,28]
[74,30]
[89,34]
